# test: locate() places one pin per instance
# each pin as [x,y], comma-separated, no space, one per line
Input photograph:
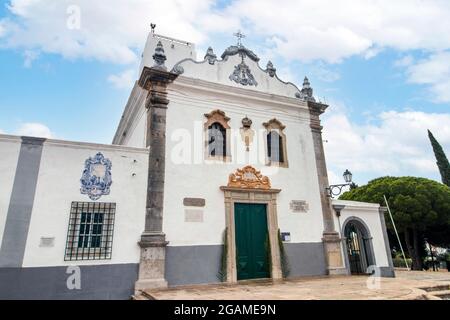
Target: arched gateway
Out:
[359,247]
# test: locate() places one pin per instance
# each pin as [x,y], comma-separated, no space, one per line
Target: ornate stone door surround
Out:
[247,185]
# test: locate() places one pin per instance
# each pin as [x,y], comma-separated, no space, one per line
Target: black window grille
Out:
[90,232]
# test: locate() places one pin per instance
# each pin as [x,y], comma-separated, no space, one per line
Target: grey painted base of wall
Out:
[99,282]
[193,264]
[186,265]
[306,259]
[387,272]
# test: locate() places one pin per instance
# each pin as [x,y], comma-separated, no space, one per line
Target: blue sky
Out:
[385,75]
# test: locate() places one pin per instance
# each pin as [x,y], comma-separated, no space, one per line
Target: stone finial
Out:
[246,122]
[210,56]
[306,83]
[270,69]
[159,57]
[307,91]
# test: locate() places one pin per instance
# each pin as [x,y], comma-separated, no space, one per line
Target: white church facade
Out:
[216,173]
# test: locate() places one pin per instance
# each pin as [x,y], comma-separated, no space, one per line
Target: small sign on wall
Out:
[299,206]
[194,202]
[286,236]
[47,242]
[192,215]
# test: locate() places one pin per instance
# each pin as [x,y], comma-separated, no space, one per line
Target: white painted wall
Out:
[136,133]
[131,129]
[200,179]
[222,69]
[9,155]
[58,185]
[219,73]
[369,213]
[175,50]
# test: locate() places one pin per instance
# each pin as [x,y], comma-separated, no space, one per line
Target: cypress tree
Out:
[441,160]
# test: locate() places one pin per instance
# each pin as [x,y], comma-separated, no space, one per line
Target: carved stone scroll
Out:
[248,178]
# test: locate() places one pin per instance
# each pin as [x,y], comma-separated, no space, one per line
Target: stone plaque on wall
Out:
[299,206]
[192,215]
[194,202]
[47,242]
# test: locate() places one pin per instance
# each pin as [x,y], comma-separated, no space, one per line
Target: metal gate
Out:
[355,249]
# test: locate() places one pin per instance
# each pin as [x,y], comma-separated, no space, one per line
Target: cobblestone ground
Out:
[407,285]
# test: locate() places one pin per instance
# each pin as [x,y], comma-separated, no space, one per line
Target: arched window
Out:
[217,140]
[275,147]
[217,136]
[276,150]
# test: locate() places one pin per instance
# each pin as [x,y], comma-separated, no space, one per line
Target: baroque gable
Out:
[239,67]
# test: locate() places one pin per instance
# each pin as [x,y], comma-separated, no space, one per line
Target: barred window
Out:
[90,233]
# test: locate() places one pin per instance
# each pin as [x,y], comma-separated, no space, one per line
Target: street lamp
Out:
[347,176]
[336,189]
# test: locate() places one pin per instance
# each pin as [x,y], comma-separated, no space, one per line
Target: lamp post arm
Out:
[336,189]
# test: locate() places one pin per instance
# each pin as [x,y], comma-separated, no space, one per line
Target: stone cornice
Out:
[317,108]
[76,144]
[152,75]
[93,146]
[356,205]
[10,138]
[241,93]
[243,190]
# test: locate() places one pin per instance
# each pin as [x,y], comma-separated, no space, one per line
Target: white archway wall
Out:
[369,213]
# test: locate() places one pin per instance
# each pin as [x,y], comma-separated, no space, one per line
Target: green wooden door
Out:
[252,241]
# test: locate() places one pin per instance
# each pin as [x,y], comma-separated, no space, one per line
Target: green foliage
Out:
[399,262]
[222,274]
[353,186]
[285,267]
[415,202]
[441,160]
[420,208]
[269,251]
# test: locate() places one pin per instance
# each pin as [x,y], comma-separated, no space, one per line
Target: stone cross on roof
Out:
[240,36]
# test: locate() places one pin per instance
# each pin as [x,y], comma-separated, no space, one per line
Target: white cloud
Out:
[435,72]
[324,73]
[29,57]
[301,29]
[397,145]
[372,52]
[34,130]
[405,61]
[108,30]
[304,30]
[335,30]
[124,80]
[2,28]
